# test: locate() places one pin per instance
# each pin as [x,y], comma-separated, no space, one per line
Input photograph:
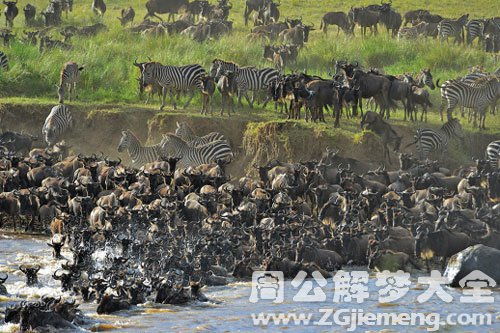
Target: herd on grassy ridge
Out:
[297,95]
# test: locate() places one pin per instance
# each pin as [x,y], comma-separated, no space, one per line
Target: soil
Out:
[98,128]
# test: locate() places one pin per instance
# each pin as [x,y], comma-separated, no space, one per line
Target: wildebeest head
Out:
[369,118]
[31,274]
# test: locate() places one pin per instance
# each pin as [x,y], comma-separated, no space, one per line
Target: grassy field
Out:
[109,76]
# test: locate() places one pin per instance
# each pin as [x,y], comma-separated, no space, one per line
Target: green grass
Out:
[110,77]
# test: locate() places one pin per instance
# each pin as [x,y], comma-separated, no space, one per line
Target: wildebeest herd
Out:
[175,228]
[348,84]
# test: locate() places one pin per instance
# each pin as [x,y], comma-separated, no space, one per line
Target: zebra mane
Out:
[225,62]
[171,137]
[134,137]
[486,79]
[185,127]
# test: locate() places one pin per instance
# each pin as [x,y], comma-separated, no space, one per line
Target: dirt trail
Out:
[98,128]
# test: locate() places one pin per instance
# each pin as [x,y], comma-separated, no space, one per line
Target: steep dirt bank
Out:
[98,129]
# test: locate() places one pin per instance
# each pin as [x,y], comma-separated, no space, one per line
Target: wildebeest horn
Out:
[55,276]
[3,279]
[136,63]
[22,268]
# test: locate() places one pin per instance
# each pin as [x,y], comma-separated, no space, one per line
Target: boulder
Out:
[474,258]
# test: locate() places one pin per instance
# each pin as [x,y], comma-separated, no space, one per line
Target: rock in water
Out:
[478,257]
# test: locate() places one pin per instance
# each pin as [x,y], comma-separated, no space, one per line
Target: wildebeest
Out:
[413,16]
[227,88]
[99,7]
[31,273]
[127,16]
[365,18]
[390,19]
[442,243]
[250,6]
[10,12]
[340,19]
[388,135]
[29,14]
[372,85]
[207,92]
[171,7]
[297,35]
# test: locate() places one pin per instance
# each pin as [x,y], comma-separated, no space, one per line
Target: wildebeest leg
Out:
[266,100]
[250,101]
[337,110]
[240,93]
[191,95]
[163,97]
[231,104]
[360,103]
[222,101]
[443,263]
[386,152]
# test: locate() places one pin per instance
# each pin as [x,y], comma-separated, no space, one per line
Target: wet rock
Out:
[474,258]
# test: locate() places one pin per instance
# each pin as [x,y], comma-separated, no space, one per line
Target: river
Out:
[231,310]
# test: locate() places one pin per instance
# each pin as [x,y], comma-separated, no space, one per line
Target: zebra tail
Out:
[412,143]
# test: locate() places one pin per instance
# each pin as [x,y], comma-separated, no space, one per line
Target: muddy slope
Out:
[98,128]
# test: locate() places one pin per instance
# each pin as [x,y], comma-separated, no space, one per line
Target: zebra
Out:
[56,124]
[70,74]
[424,78]
[474,29]
[493,153]
[471,79]
[247,78]
[4,61]
[172,78]
[429,140]
[139,154]
[174,146]
[187,134]
[453,28]
[478,97]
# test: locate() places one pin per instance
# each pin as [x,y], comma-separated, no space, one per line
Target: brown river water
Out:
[231,310]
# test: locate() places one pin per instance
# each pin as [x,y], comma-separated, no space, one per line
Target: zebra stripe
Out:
[187,134]
[173,78]
[4,61]
[493,153]
[474,29]
[174,146]
[478,97]
[429,140]
[70,74]
[424,78]
[139,154]
[452,28]
[247,78]
[56,124]
[471,79]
